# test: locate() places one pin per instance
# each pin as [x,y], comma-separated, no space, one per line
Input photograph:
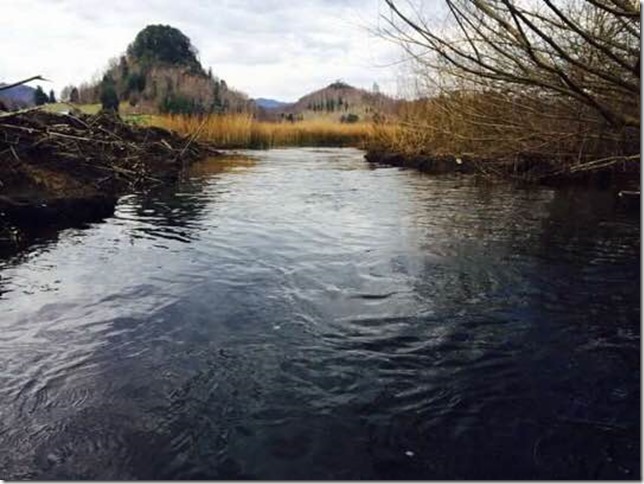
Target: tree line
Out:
[329,105]
[41,97]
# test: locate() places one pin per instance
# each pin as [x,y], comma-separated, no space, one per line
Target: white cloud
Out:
[266,48]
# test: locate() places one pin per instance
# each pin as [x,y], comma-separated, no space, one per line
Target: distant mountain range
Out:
[18,97]
[265,103]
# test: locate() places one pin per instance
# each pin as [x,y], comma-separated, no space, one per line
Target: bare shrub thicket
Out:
[556,79]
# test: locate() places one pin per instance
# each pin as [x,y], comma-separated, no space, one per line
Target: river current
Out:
[303,315]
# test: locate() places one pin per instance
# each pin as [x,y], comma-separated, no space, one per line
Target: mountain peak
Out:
[163,43]
[339,84]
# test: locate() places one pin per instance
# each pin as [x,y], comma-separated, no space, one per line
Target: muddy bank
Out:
[60,170]
[617,173]
[435,165]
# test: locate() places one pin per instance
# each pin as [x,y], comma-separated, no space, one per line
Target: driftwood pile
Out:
[59,170]
[101,150]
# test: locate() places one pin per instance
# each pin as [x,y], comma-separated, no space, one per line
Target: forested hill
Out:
[341,100]
[161,72]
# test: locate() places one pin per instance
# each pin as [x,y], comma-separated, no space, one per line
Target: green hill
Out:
[160,72]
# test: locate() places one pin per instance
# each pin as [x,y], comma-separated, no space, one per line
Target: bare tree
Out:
[588,50]
[569,60]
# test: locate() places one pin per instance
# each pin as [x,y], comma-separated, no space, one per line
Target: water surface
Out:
[307,316]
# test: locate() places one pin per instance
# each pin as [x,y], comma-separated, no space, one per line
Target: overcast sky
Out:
[280,49]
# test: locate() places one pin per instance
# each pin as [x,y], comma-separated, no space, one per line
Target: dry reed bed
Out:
[243,131]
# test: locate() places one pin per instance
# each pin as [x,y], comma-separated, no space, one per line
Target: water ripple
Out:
[305,316]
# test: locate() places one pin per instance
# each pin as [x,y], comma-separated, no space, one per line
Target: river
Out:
[303,315]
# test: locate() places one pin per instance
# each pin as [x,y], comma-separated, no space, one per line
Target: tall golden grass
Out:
[243,131]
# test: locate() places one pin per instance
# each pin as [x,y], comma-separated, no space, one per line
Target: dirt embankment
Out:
[58,170]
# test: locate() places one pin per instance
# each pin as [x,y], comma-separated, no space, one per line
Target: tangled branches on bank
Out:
[99,152]
[58,170]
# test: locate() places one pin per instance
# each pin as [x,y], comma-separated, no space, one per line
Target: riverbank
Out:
[59,170]
[619,173]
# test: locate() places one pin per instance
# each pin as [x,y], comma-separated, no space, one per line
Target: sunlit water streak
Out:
[306,316]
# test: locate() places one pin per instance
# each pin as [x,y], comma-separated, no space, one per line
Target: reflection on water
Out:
[236,163]
[173,214]
[302,316]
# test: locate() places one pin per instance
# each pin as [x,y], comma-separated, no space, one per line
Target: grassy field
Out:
[124,110]
[242,131]
[64,107]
